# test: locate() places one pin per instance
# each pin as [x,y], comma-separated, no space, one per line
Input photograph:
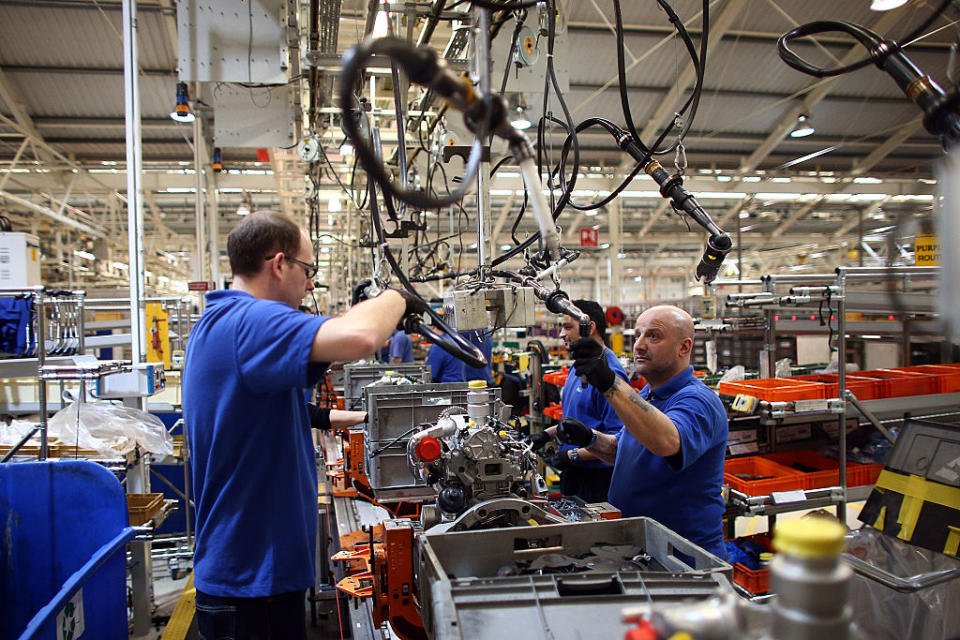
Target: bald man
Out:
[668,458]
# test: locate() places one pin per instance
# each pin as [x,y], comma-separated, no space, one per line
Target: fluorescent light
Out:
[85,255]
[744,214]
[243,209]
[638,279]
[333,205]
[521,123]
[381,25]
[803,128]
[591,212]
[605,245]
[886,5]
[120,265]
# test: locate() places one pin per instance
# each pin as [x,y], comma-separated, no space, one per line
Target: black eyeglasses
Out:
[310,269]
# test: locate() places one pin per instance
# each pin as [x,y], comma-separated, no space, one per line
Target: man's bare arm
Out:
[650,426]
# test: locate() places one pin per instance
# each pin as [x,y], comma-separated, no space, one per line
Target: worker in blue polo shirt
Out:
[484,341]
[253,464]
[401,347]
[582,473]
[443,366]
[668,458]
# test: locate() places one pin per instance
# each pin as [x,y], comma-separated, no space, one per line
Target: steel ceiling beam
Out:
[665,110]
[817,92]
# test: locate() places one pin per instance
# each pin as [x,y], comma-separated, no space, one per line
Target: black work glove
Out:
[364,290]
[572,431]
[538,440]
[590,360]
[561,461]
[415,305]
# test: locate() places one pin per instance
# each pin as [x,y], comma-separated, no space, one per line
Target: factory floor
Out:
[169,593]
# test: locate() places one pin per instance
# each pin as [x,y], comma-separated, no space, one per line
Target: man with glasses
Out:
[248,359]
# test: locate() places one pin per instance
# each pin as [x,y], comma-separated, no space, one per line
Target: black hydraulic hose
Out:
[698,64]
[864,36]
[422,67]
[457,345]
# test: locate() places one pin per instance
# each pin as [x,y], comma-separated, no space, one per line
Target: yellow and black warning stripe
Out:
[920,511]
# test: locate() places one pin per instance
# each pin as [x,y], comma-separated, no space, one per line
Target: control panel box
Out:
[143,381]
[19,260]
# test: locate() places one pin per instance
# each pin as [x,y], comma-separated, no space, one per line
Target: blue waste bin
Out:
[63,551]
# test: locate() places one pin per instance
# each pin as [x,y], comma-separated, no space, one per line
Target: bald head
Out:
[664,343]
[679,320]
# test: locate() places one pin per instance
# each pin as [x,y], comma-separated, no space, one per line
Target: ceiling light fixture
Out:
[803,127]
[182,111]
[886,5]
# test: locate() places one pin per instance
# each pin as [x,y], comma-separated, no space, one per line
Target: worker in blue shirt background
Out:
[582,473]
[483,341]
[443,366]
[668,458]
[401,347]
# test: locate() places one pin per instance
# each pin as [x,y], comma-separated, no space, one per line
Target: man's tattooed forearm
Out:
[633,396]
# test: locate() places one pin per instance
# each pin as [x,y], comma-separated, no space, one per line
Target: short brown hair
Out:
[257,237]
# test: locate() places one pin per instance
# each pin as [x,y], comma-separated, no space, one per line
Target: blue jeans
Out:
[277,617]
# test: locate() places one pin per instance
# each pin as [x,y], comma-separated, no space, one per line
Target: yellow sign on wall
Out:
[158,335]
[926,251]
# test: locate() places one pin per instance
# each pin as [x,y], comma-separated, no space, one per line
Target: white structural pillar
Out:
[212,201]
[200,252]
[131,93]
[616,248]
[138,479]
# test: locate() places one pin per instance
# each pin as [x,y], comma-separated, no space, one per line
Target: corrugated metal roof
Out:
[72,94]
[77,37]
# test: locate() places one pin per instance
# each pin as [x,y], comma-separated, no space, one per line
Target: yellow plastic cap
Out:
[766,556]
[809,537]
[477,384]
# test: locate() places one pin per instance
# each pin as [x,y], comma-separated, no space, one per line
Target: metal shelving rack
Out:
[813,289]
[33,366]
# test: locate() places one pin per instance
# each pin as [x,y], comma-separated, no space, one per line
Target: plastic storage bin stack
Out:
[819,471]
[758,476]
[775,389]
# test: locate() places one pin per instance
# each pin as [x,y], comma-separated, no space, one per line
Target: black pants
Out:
[277,617]
[588,484]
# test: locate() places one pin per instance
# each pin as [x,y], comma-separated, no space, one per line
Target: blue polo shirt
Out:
[443,366]
[485,344]
[590,407]
[682,492]
[253,465]
[401,347]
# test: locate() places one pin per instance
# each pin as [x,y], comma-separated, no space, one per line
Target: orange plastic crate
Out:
[776,477]
[949,375]
[756,581]
[553,410]
[863,388]
[897,384]
[558,378]
[776,389]
[828,469]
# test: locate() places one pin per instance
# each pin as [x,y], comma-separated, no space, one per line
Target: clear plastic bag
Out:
[782,368]
[110,429]
[734,374]
[11,434]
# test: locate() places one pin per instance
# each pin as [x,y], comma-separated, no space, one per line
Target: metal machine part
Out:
[470,457]
[475,308]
